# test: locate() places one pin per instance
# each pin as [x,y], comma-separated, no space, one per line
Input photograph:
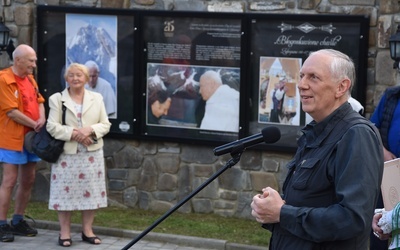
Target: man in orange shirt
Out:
[21,110]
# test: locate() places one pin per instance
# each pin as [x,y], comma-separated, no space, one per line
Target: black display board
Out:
[158,58]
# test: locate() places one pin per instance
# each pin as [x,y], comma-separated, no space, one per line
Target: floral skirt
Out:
[78,182]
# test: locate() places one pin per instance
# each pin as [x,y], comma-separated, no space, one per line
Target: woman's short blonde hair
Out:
[78,66]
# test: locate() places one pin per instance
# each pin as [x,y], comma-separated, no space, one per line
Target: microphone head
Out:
[271,134]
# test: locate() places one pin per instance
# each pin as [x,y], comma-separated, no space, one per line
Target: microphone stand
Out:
[236,154]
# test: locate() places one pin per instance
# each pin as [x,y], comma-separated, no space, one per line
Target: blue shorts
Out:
[17,157]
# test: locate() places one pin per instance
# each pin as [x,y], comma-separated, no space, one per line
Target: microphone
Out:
[267,135]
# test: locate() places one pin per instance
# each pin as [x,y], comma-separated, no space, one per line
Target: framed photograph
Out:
[191,90]
[278,45]
[101,60]
[101,39]
[279,97]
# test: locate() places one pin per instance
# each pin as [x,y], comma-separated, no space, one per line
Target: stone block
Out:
[388,6]
[89,3]
[41,187]
[270,164]
[114,4]
[260,180]
[308,4]
[235,179]
[225,6]
[144,2]
[167,182]
[6,2]
[111,146]
[144,200]
[14,32]
[23,1]
[372,38]
[384,31]
[184,180]
[148,148]
[116,185]
[149,167]
[128,157]
[160,206]
[23,14]
[185,208]
[267,6]
[385,74]
[165,196]
[372,13]
[243,205]
[133,177]
[167,163]
[184,5]
[370,76]
[109,162]
[352,2]
[115,196]
[328,8]
[220,204]
[4,61]
[130,197]
[202,155]
[210,191]
[114,203]
[25,35]
[117,174]
[172,148]
[8,15]
[202,206]
[148,182]
[202,170]
[47,2]
[251,160]
[228,195]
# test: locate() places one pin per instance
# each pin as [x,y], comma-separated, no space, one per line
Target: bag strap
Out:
[63,110]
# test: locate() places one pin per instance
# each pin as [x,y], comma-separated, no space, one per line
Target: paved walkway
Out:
[47,239]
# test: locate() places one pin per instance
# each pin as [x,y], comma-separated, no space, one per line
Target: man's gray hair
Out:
[92,64]
[342,65]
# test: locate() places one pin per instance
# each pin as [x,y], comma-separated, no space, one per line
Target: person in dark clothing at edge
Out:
[334,179]
[386,118]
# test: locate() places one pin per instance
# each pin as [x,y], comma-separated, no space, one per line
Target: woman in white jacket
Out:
[78,177]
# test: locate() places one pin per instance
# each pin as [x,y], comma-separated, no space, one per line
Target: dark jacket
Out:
[332,185]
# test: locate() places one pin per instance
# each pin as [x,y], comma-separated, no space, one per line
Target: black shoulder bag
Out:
[43,144]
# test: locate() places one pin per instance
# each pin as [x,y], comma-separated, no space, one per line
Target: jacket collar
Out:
[88,100]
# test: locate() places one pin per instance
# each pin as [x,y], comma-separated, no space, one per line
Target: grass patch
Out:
[233,230]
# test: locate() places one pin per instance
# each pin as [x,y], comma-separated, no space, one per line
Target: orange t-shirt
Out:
[11,132]
[29,98]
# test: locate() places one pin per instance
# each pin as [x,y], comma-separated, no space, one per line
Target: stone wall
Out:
[157,175]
